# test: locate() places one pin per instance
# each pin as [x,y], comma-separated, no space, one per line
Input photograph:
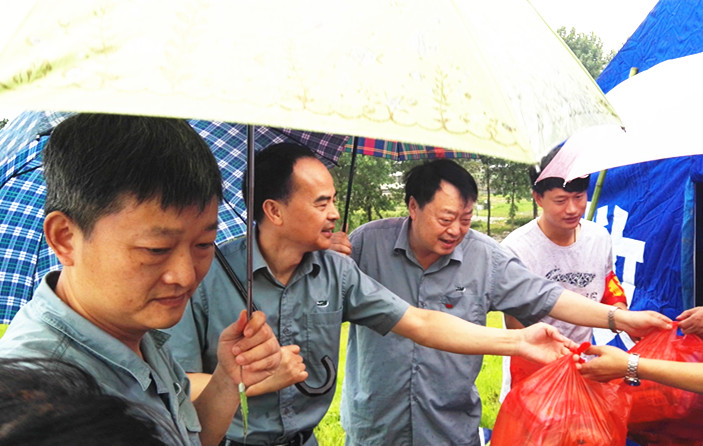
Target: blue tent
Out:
[650,208]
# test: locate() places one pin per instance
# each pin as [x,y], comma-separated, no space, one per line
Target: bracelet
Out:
[632,378]
[611,320]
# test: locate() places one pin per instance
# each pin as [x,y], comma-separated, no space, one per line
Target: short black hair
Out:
[273,172]
[49,402]
[92,162]
[545,184]
[423,181]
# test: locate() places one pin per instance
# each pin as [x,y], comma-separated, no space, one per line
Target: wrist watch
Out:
[631,377]
[611,320]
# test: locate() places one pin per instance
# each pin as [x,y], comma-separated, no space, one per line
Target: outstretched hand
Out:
[610,364]
[691,321]
[249,347]
[543,343]
[639,323]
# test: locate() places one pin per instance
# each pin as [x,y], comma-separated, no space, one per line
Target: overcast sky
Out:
[613,21]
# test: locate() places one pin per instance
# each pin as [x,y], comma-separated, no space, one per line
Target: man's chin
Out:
[323,244]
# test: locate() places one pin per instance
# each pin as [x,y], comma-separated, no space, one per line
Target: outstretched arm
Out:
[540,342]
[571,307]
[247,352]
[611,363]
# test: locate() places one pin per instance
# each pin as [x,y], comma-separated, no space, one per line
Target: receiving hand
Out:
[638,323]
[341,243]
[289,372]
[691,321]
[543,343]
[610,364]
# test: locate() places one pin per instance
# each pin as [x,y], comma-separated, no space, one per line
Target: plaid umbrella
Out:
[393,150]
[24,255]
[400,151]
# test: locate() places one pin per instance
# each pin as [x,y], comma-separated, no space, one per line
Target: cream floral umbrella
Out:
[482,76]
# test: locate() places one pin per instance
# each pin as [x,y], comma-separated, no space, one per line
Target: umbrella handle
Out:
[331,374]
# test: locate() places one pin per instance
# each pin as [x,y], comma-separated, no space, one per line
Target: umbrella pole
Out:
[355,144]
[601,175]
[250,219]
[596,194]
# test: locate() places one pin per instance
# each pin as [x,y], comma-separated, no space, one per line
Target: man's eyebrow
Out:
[324,198]
[167,232]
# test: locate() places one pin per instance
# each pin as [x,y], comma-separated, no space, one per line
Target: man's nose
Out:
[181,269]
[454,228]
[333,214]
[572,206]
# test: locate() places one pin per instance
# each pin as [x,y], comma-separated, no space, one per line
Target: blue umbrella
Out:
[24,255]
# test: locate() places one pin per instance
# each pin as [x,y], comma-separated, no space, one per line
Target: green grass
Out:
[490,378]
[330,433]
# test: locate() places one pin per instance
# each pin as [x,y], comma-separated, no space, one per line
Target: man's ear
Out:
[273,212]
[60,232]
[413,207]
[538,198]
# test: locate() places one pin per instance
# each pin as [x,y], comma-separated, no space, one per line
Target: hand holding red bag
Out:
[556,406]
[664,415]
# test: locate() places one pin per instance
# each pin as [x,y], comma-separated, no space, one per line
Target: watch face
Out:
[632,381]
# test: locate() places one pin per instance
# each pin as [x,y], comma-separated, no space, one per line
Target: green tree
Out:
[2,123]
[376,187]
[588,48]
[512,180]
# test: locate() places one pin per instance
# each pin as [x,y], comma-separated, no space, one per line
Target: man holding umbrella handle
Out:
[131,213]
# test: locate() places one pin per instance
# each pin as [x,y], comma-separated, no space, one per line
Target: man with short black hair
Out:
[131,213]
[563,247]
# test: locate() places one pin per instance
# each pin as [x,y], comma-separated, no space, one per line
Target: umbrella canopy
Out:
[481,76]
[400,151]
[24,255]
[660,109]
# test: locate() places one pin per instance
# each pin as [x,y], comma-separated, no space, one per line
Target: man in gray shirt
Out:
[401,393]
[131,213]
[307,291]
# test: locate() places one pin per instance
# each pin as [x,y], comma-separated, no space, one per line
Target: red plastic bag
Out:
[556,406]
[521,368]
[664,415]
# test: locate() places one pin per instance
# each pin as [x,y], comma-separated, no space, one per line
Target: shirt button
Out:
[286,331]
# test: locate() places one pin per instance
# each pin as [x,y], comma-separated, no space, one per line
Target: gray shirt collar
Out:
[402,245]
[310,264]
[64,319]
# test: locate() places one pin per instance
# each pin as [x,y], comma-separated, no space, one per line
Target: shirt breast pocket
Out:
[321,339]
[453,299]
[464,303]
[188,415]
